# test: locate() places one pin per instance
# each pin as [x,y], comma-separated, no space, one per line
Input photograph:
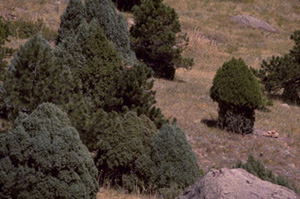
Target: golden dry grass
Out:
[214,39]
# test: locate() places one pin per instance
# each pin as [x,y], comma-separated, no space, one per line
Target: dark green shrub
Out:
[256,168]
[33,77]
[283,72]
[102,64]
[126,5]
[175,164]
[134,91]
[113,26]
[123,157]
[155,40]
[238,94]
[26,29]
[43,157]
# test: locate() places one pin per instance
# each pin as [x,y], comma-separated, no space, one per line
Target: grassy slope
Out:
[213,40]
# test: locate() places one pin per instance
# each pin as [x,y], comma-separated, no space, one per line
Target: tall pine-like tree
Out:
[34,76]
[155,40]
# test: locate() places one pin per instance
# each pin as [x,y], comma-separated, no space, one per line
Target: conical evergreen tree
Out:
[113,26]
[102,64]
[43,157]
[154,38]
[101,67]
[34,76]
[70,20]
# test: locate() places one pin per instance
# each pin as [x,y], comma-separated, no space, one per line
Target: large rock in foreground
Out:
[234,184]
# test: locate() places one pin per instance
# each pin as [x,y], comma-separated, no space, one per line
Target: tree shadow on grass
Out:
[210,122]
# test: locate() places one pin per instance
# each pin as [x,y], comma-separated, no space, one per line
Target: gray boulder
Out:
[249,21]
[235,184]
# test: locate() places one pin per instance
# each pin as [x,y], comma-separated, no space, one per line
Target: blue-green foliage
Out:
[43,157]
[113,26]
[175,164]
[70,20]
[134,156]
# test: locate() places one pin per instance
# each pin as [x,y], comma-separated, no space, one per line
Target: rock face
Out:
[249,21]
[235,184]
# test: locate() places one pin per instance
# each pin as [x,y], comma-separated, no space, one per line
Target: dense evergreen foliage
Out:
[155,40]
[102,64]
[126,5]
[113,26]
[124,151]
[34,76]
[43,157]
[133,155]
[175,164]
[238,94]
[256,168]
[4,51]
[70,20]
[283,72]
[134,91]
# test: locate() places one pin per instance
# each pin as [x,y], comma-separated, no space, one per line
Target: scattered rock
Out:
[235,183]
[272,134]
[249,21]
[285,105]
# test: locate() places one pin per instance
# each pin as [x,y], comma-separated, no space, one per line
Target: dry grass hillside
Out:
[214,39]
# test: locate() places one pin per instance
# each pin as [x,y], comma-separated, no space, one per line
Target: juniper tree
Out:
[155,40]
[113,26]
[96,76]
[175,164]
[70,20]
[43,157]
[123,156]
[238,94]
[34,76]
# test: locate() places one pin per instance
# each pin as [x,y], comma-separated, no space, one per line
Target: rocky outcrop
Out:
[235,184]
[249,21]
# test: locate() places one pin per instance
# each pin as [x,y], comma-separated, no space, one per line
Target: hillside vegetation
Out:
[214,39]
